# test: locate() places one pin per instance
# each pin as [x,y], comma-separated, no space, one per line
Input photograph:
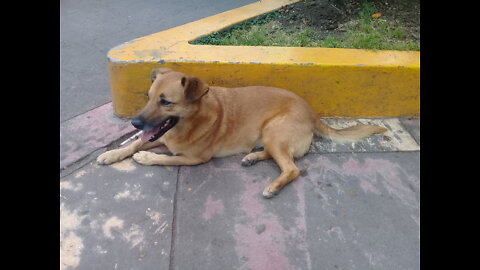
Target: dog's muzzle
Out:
[153,132]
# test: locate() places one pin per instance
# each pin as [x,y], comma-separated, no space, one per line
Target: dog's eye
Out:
[164,102]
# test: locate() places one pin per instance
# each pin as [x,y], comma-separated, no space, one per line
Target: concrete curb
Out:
[336,82]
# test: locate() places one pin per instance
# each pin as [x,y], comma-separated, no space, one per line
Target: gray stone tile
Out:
[117,217]
[90,131]
[362,210]
[350,211]
[412,124]
[397,138]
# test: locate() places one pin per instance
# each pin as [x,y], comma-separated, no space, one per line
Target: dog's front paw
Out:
[146,158]
[110,157]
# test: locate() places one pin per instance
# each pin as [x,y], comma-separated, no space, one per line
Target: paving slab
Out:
[117,217]
[98,128]
[357,207]
[350,211]
[412,124]
[90,131]
[397,138]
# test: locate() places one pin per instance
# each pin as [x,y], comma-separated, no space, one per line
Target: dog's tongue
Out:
[146,135]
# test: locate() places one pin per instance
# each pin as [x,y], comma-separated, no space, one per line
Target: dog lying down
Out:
[197,122]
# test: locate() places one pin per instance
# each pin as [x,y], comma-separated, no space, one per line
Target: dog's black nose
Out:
[138,123]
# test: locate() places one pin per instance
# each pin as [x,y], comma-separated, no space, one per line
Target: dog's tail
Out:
[347,134]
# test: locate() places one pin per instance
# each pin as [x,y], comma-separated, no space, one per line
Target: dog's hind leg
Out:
[284,141]
[284,159]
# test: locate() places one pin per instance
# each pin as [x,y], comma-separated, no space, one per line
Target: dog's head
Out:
[172,97]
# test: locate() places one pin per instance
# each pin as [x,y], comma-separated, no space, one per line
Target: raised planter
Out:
[336,82]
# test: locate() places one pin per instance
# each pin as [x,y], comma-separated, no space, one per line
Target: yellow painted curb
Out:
[336,82]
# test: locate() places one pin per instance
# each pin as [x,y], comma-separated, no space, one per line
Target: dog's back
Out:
[245,111]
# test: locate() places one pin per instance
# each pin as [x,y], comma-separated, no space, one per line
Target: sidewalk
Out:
[357,207]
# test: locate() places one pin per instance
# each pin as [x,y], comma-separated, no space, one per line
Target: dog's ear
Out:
[158,71]
[194,88]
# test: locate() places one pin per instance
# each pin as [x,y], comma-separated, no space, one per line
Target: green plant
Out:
[366,11]
[363,33]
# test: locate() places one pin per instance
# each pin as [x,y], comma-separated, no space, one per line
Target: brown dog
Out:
[197,122]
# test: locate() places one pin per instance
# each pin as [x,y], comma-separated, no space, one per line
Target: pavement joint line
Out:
[71,168]
[360,152]
[77,164]
[174,223]
[80,163]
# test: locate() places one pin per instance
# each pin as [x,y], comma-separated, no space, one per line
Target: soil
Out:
[325,16]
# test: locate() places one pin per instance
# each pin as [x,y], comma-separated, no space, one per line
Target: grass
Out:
[362,33]
[267,34]
[262,31]
[369,33]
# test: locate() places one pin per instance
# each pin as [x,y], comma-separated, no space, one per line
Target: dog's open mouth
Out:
[157,132]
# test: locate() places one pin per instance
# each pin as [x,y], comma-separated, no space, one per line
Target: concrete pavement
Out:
[357,207]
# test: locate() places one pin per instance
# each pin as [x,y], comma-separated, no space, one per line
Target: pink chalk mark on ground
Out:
[212,207]
[265,250]
[391,173]
[367,186]
[373,175]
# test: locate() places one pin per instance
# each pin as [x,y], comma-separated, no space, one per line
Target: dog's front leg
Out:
[122,153]
[149,158]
